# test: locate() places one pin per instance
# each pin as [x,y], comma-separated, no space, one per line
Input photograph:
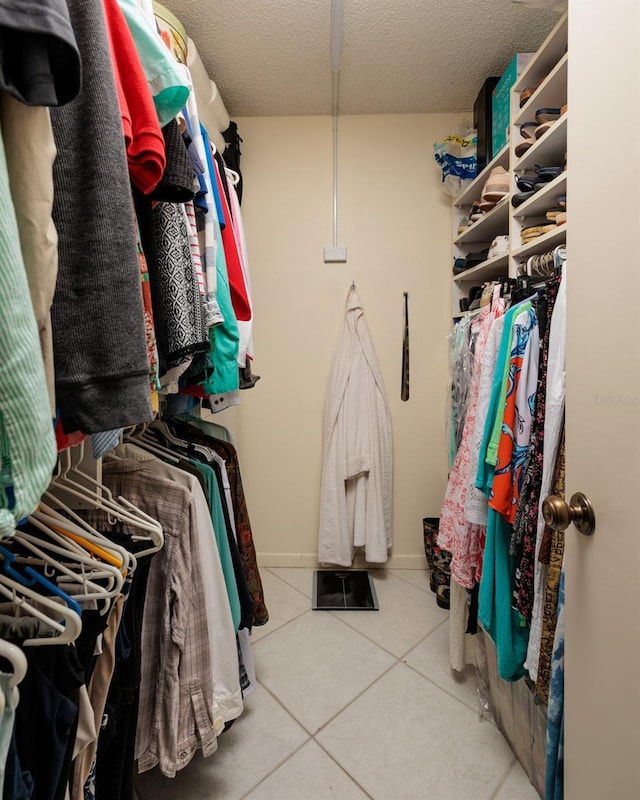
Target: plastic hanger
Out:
[163,429]
[84,535]
[18,661]
[68,629]
[151,447]
[118,508]
[96,498]
[33,578]
[232,176]
[90,570]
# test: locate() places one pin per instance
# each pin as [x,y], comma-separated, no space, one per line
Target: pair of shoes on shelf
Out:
[498,247]
[476,212]
[545,119]
[534,231]
[531,182]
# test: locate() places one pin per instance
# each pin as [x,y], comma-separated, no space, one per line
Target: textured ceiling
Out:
[271,57]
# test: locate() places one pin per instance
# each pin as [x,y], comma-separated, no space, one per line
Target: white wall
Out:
[396,224]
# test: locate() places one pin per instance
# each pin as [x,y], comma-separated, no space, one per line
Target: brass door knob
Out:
[558,514]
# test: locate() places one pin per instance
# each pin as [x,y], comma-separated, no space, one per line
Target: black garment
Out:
[93,624]
[18,783]
[223,179]
[177,182]
[47,717]
[232,153]
[115,768]
[178,311]
[39,58]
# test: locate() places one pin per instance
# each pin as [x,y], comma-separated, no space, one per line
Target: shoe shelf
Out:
[496,267]
[491,224]
[549,54]
[552,93]
[547,75]
[541,244]
[542,200]
[472,192]
[549,150]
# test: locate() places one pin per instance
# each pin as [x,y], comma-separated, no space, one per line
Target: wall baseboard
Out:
[310,561]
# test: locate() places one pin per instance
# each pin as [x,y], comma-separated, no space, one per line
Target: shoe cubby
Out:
[479,234]
[548,56]
[552,93]
[493,223]
[545,79]
[549,149]
[541,244]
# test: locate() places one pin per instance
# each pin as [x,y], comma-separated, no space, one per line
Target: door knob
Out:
[558,514]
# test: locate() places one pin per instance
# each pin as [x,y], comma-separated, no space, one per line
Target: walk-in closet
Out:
[319,400]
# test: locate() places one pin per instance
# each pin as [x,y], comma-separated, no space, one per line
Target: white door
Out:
[602,657]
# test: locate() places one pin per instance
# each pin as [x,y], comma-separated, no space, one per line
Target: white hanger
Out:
[232,175]
[50,516]
[97,499]
[13,654]
[70,626]
[91,570]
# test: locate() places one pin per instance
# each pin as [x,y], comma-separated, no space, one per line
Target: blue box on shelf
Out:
[501,101]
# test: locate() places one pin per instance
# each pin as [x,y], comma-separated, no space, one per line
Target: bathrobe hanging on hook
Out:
[355,498]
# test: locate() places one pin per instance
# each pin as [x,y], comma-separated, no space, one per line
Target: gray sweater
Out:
[98,323]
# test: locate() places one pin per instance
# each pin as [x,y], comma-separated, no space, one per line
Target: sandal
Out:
[547,173]
[522,148]
[521,197]
[544,127]
[525,94]
[547,114]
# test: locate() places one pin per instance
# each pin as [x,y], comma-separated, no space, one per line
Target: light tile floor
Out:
[353,705]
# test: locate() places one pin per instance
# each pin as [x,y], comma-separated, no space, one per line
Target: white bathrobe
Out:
[355,498]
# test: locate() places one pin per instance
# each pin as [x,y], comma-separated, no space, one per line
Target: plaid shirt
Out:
[176,692]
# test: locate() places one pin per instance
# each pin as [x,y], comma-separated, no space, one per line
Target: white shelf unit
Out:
[547,73]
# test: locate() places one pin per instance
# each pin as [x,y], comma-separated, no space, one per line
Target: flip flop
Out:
[544,127]
[522,148]
[547,114]
[521,197]
[547,173]
[525,94]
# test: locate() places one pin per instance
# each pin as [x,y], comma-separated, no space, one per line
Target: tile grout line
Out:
[503,780]
[279,628]
[338,764]
[353,700]
[268,775]
[285,581]
[446,691]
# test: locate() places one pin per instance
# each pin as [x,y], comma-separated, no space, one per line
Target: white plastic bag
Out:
[457,156]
